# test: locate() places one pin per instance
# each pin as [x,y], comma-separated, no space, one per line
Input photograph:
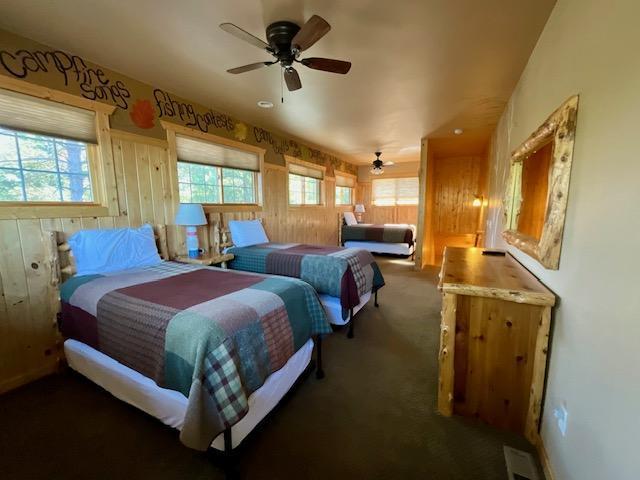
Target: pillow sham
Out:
[245,233]
[350,218]
[111,250]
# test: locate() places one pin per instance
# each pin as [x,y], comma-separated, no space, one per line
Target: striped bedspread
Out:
[211,334]
[387,233]
[345,273]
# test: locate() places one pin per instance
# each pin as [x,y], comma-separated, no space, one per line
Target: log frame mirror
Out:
[535,200]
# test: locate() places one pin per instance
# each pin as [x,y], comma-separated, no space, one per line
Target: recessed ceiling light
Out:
[265,104]
[458,131]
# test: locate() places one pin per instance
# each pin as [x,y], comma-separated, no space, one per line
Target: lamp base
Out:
[192,242]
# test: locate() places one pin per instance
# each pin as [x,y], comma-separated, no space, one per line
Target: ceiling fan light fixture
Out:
[376,170]
[265,104]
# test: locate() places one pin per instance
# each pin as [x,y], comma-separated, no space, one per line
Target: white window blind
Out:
[199,151]
[345,181]
[36,115]
[395,191]
[306,171]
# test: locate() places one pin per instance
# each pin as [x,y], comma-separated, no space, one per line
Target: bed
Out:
[345,278]
[205,350]
[393,238]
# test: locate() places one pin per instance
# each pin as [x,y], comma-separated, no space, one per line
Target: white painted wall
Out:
[592,48]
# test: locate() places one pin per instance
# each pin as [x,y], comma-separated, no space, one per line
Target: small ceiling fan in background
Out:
[286,41]
[377,164]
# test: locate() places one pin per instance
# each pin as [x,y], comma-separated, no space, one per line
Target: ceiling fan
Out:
[286,42]
[377,164]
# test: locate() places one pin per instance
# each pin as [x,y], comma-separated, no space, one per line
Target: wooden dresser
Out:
[493,340]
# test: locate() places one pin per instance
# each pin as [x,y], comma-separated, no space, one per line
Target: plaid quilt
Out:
[345,273]
[388,233]
[211,334]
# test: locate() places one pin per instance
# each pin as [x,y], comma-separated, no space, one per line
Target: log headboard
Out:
[63,263]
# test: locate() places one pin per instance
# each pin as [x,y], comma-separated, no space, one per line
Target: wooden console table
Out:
[493,340]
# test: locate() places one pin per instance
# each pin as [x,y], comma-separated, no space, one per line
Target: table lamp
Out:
[359,210]
[190,215]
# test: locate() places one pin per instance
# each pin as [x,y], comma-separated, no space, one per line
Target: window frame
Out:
[352,189]
[321,183]
[221,184]
[99,158]
[173,129]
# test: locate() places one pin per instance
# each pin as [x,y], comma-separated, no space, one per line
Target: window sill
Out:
[17,210]
[320,205]
[231,207]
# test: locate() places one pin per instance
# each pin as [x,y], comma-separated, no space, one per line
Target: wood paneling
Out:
[450,217]
[146,191]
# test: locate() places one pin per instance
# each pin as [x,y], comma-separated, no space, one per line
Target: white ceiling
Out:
[420,68]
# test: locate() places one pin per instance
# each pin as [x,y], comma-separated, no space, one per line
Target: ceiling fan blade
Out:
[312,31]
[389,163]
[251,66]
[244,35]
[327,64]
[292,79]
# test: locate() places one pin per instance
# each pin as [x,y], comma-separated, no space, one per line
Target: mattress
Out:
[379,247]
[334,310]
[169,406]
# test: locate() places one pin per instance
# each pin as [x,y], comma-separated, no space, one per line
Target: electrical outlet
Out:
[561,415]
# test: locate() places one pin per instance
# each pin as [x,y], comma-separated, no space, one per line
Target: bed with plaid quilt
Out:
[345,273]
[387,233]
[211,334]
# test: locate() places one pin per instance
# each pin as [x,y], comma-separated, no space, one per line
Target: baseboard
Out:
[24,378]
[544,459]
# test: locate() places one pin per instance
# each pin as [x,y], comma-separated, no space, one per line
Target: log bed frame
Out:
[63,266]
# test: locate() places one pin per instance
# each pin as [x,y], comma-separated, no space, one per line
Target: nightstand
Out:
[220,259]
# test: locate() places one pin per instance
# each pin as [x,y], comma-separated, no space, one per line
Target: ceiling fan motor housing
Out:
[279,36]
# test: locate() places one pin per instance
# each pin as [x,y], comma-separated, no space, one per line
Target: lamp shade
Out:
[190,214]
[359,208]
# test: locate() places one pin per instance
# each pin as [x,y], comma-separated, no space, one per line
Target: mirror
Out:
[535,200]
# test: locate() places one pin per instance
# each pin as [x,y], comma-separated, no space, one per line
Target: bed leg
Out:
[230,464]
[351,322]
[319,370]
[375,299]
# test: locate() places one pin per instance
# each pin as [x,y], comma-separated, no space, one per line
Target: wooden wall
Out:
[147,193]
[452,220]
[379,215]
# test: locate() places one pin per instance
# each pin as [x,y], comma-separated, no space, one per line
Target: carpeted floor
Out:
[372,417]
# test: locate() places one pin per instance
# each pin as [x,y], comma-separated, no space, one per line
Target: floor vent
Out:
[520,465]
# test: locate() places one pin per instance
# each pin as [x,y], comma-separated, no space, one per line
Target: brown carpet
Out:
[372,417]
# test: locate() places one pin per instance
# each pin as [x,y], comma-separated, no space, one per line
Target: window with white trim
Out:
[305,185]
[395,191]
[216,174]
[45,150]
[344,189]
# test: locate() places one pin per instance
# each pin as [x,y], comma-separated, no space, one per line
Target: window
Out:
[37,168]
[344,189]
[305,184]
[206,173]
[395,191]
[44,150]
[209,184]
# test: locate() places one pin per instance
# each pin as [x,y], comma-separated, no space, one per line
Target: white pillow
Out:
[350,218]
[103,251]
[245,233]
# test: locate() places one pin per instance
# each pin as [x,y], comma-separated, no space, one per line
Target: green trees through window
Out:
[38,168]
[344,195]
[199,183]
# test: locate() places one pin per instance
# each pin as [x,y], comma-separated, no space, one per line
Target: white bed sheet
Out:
[169,406]
[334,310]
[380,247]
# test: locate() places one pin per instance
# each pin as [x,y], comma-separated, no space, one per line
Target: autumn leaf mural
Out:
[142,114]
